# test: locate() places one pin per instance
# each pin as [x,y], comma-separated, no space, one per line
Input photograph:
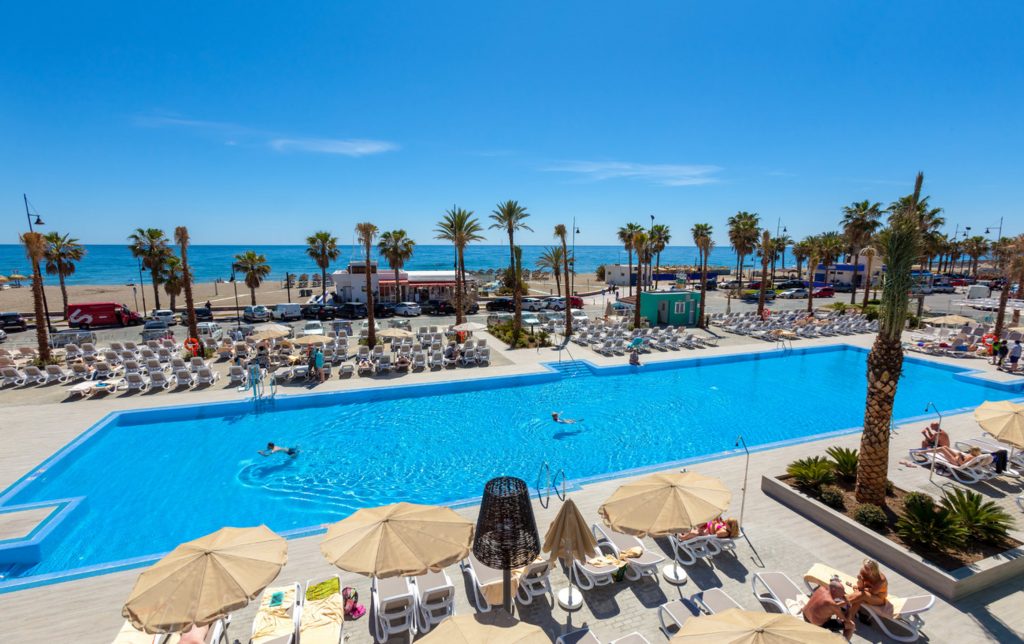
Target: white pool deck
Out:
[88,610]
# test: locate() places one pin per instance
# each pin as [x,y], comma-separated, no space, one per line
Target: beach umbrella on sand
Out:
[311,339]
[17,277]
[3,280]
[203,580]
[569,538]
[665,503]
[395,333]
[495,627]
[753,627]
[402,539]
[1003,419]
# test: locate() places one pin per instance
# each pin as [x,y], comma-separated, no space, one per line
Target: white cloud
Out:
[346,147]
[662,174]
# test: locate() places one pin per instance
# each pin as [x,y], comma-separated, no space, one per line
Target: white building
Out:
[624,274]
[416,286]
[842,273]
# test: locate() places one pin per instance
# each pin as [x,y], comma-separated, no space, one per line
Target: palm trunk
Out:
[629,266]
[63,291]
[190,304]
[659,269]
[739,270]
[703,288]
[764,285]
[42,323]
[853,282]
[252,294]
[459,316]
[156,288]
[568,295]
[462,276]
[867,283]
[1004,295]
[371,332]
[174,300]
[885,362]
[558,283]
[810,284]
[517,298]
[323,283]
[396,285]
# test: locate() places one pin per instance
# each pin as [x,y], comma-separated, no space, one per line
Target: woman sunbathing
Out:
[871,588]
[956,457]
[715,527]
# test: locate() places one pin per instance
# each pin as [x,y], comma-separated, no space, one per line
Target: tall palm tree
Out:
[900,242]
[975,247]
[781,243]
[460,227]
[62,252]
[35,250]
[870,252]
[173,279]
[625,235]
[150,245]
[744,229]
[659,237]
[813,247]
[1016,268]
[830,248]
[510,217]
[366,232]
[928,218]
[396,247]
[767,250]
[1009,260]
[552,259]
[255,268]
[182,238]
[322,247]
[860,221]
[640,247]
[801,251]
[563,254]
[702,239]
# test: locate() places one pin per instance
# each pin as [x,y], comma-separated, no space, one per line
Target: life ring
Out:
[989,340]
[192,344]
[765,314]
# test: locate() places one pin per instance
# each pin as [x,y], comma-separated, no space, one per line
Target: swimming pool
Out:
[145,481]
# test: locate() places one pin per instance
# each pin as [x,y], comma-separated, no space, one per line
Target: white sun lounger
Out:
[322,620]
[644,565]
[534,582]
[394,607]
[586,636]
[278,624]
[588,575]
[435,599]
[976,470]
[217,633]
[480,576]
[55,374]
[672,615]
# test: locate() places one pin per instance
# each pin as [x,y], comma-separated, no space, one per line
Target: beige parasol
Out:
[395,333]
[664,503]
[569,538]
[495,627]
[954,320]
[3,280]
[272,326]
[1003,419]
[17,277]
[399,539]
[311,339]
[469,326]
[203,580]
[750,627]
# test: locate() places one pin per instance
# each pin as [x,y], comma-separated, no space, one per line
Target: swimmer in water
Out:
[271,448]
[556,416]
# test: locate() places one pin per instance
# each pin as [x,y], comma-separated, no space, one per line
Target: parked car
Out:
[501,304]
[579,315]
[3,335]
[204,314]
[258,313]
[71,336]
[794,294]
[731,284]
[622,307]
[824,291]
[754,295]
[840,287]
[442,307]
[408,309]
[155,329]
[352,310]
[165,315]
[313,327]
[209,332]
[530,320]
[384,309]
[12,322]
[554,303]
[99,314]
[314,311]
[532,304]
[943,288]
[788,284]
[287,311]
[498,318]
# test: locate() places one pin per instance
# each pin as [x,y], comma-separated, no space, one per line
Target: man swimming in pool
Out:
[271,448]
[556,416]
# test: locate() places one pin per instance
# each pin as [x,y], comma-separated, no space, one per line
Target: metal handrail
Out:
[544,501]
[554,485]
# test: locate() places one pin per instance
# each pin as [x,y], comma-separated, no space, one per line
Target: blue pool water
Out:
[152,479]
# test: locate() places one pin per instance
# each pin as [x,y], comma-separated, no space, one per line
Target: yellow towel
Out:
[631,553]
[320,612]
[605,561]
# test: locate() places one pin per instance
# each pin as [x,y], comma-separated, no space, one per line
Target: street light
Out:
[999,236]
[234,283]
[38,222]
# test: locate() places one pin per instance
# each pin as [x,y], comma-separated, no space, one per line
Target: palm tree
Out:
[397,248]
[563,254]
[830,248]
[460,227]
[900,242]
[182,238]
[1009,261]
[625,236]
[659,237]
[767,249]
[813,246]
[150,245]
[35,250]
[929,219]
[871,253]
[552,259]
[255,268]
[781,243]
[510,217]
[62,251]
[322,247]
[173,279]
[975,247]
[640,246]
[744,229]
[702,239]
[801,251]
[1016,268]
[366,232]
[860,221]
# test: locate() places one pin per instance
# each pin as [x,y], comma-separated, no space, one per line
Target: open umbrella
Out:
[665,503]
[269,334]
[1003,419]
[17,277]
[272,326]
[495,627]
[404,539]
[311,339]
[395,333]
[751,627]
[469,326]
[569,538]
[203,580]
[954,320]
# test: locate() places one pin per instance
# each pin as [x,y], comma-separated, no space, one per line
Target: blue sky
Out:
[260,122]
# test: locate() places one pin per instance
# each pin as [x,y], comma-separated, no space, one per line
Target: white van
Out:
[209,332]
[287,312]
[978,291]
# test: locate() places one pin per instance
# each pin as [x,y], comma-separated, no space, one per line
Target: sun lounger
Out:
[215,633]
[347,369]
[976,470]
[394,607]
[586,636]
[688,551]
[435,599]
[989,444]
[131,635]
[102,370]
[33,375]
[777,591]
[323,612]
[534,582]
[238,376]
[183,378]
[11,376]
[206,376]
[135,382]
[714,600]
[159,379]
[623,545]
[90,388]
[480,576]
[277,624]
[673,614]
[588,575]
[55,374]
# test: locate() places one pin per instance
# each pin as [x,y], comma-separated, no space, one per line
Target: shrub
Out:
[913,322]
[980,520]
[870,516]
[918,500]
[890,488]
[844,461]
[599,272]
[832,496]
[526,339]
[871,312]
[811,473]
[838,307]
[929,526]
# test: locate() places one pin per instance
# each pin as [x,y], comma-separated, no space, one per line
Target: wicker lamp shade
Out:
[506,532]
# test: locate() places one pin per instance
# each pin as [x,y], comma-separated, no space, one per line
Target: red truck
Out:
[96,314]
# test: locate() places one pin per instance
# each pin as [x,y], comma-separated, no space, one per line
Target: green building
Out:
[675,308]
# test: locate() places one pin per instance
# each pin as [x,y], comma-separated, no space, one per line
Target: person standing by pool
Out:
[634,358]
[1015,352]
[1004,349]
[318,363]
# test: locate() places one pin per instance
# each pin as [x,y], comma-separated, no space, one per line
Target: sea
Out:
[114,264]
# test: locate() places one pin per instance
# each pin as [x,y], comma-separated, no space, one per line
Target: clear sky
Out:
[259,122]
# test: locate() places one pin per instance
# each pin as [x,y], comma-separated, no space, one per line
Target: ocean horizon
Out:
[106,264]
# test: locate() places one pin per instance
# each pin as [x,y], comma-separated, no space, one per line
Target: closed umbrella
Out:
[569,538]
[402,539]
[495,627]
[665,503]
[205,579]
[1003,419]
[751,627]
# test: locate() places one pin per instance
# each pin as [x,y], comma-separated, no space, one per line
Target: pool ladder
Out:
[550,484]
[260,390]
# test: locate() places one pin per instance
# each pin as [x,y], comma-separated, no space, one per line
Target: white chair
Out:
[238,376]
[435,599]
[33,375]
[976,470]
[394,607]
[103,370]
[159,379]
[535,581]
[55,374]
[79,371]
[206,376]
[135,382]
[183,378]
[646,564]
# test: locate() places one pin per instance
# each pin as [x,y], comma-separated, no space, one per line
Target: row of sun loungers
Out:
[797,324]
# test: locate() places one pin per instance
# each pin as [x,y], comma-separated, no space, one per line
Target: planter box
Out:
[950,585]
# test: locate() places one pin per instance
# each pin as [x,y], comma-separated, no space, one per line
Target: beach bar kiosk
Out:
[675,308]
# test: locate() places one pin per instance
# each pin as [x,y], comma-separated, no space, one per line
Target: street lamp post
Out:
[572,267]
[234,283]
[39,222]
